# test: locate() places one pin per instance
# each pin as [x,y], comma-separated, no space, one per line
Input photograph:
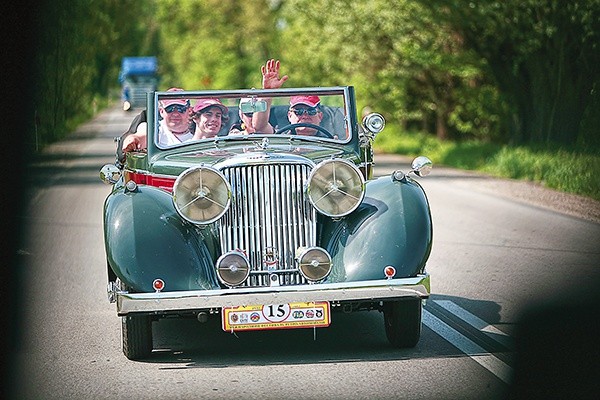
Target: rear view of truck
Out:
[138,76]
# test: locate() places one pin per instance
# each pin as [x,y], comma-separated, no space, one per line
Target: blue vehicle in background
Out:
[138,76]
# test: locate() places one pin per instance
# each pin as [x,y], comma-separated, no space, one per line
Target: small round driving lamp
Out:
[314,263]
[335,188]
[374,122]
[233,268]
[201,195]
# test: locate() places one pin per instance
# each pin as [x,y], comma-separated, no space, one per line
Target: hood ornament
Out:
[264,144]
[271,258]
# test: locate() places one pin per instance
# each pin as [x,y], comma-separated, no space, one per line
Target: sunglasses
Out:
[176,107]
[308,111]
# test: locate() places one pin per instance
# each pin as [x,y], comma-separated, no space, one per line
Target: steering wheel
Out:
[292,127]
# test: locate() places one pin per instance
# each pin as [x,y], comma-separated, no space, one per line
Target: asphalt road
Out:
[495,256]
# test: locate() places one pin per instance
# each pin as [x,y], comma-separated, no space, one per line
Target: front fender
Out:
[146,239]
[392,226]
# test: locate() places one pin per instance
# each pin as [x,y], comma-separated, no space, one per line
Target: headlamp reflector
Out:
[335,187]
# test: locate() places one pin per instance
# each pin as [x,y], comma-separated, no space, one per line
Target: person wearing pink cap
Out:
[174,126]
[259,121]
[208,115]
[305,109]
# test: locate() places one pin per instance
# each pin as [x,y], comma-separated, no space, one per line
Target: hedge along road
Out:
[494,255]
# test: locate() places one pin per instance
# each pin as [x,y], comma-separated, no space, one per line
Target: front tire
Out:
[137,336]
[402,321]
[136,332]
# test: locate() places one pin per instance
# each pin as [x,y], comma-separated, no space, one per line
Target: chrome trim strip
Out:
[263,158]
[206,299]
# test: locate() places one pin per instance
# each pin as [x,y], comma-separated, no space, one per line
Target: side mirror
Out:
[110,174]
[422,166]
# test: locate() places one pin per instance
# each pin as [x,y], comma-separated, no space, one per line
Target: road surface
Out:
[495,255]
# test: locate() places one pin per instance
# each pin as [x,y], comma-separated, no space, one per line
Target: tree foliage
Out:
[214,44]
[521,71]
[544,56]
[405,63]
[78,53]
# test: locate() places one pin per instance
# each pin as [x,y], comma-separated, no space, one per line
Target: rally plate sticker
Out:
[276,316]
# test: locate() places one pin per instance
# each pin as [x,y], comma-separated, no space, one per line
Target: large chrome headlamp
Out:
[201,195]
[335,187]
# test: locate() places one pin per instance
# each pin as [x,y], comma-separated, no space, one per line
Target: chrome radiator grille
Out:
[269,218]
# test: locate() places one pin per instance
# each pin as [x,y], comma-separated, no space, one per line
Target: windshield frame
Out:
[345,93]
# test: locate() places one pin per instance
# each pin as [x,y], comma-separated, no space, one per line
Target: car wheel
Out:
[137,333]
[402,321]
[137,336]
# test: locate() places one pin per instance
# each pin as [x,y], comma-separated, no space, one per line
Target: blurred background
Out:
[511,87]
[520,72]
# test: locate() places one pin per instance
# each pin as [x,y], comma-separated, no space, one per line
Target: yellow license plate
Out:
[276,316]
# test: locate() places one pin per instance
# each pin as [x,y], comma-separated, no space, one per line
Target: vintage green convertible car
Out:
[274,226]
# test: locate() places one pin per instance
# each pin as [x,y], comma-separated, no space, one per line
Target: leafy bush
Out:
[569,170]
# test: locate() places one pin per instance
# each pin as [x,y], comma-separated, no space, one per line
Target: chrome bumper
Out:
[211,299]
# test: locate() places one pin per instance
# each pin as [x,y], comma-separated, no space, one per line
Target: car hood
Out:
[175,162]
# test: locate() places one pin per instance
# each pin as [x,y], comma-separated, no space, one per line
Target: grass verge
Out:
[574,171]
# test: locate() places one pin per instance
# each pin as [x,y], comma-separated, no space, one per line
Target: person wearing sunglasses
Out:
[174,126]
[305,109]
[208,116]
[259,122]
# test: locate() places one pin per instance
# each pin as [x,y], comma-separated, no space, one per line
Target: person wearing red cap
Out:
[305,109]
[259,121]
[174,126]
[208,115]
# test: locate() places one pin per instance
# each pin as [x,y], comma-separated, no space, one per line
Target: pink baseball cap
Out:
[201,104]
[167,102]
[311,101]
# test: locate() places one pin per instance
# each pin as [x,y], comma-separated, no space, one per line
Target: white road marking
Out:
[467,346]
[476,322]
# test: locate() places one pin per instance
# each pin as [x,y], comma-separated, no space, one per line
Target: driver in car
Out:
[305,109]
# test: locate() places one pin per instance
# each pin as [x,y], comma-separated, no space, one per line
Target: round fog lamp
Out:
[314,263]
[233,268]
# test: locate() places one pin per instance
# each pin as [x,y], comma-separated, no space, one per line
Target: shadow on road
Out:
[350,338]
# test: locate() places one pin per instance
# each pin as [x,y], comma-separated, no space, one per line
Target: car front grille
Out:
[269,218]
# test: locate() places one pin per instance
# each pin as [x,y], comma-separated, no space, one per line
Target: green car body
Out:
[369,257]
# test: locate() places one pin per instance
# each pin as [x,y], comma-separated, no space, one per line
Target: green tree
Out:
[544,56]
[77,59]
[214,44]
[401,59]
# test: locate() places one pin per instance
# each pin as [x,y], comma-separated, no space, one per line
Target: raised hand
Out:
[270,75]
